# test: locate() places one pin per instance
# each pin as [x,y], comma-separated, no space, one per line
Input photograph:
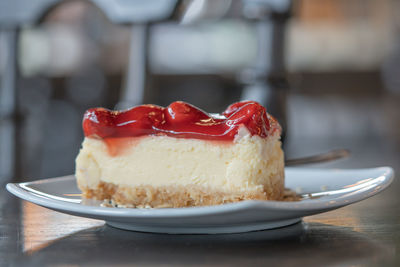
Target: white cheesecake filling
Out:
[248,163]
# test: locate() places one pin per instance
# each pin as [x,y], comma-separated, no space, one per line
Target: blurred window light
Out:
[325,35]
[208,48]
[329,35]
[54,50]
[327,47]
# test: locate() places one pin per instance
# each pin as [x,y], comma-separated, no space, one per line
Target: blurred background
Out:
[329,70]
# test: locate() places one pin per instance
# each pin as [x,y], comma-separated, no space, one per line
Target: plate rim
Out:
[301,206]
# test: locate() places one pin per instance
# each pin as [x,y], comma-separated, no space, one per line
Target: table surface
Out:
[365,233]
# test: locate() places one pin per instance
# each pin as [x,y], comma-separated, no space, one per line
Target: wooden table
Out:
[365,233]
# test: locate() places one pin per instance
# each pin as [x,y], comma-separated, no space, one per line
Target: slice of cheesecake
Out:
[180,156]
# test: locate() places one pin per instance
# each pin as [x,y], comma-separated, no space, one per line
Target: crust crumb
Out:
[176,196]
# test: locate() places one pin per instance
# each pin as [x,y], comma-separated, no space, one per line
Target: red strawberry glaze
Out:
[180,120]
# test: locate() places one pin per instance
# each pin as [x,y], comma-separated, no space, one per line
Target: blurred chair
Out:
[13,15]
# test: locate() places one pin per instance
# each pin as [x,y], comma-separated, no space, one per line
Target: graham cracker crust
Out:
[175,196]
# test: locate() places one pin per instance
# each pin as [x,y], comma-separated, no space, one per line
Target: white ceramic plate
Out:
[323,190]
